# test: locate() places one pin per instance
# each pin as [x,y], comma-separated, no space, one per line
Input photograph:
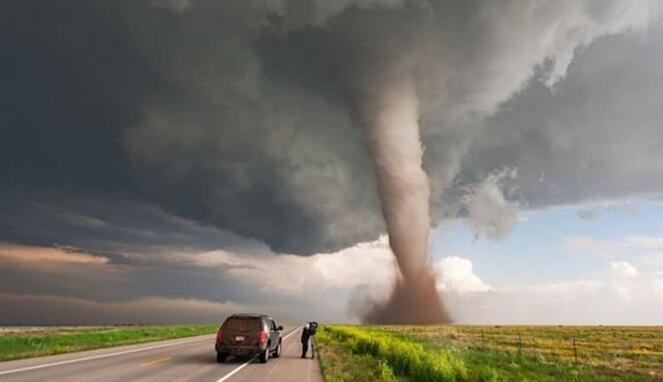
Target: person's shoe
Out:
[303,356]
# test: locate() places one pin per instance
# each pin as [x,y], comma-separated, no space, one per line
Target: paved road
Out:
[190,359]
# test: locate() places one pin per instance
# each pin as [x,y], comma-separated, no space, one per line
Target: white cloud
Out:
[454,274]
[653,259]
[647,242]
[645,249]
[620,295]
[623,269]
[368,264]
[595,246]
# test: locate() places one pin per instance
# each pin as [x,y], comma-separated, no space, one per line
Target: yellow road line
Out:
[155,361]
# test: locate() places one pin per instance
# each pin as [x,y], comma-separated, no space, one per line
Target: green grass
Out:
[339,364]
[41,343]
[492,353]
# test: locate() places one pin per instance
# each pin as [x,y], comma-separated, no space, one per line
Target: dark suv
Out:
[248,335]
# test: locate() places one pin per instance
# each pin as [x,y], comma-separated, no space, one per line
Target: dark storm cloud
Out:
[128,82]
[105,225]
[240,115]
[596,136]
[70,84]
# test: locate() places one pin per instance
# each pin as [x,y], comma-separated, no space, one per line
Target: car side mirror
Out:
[280,327]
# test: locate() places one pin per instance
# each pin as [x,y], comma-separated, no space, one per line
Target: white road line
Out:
[240,367]
[12,371]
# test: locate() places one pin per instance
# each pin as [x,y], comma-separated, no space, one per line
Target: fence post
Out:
[575,350]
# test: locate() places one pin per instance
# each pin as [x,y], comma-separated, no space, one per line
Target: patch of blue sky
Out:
[536,251]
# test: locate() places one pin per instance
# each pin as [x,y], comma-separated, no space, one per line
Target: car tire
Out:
[221,357]
[277,352]
[264,356]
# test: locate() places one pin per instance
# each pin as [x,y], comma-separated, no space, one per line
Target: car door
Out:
[273,334]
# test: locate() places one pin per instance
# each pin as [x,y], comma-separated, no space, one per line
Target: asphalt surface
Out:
[190,359]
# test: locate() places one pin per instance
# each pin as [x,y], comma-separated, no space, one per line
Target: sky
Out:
[180,160]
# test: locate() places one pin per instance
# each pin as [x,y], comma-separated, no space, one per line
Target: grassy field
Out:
[491,353]
[34,343]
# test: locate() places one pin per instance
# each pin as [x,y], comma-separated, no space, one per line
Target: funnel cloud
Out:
[390,117]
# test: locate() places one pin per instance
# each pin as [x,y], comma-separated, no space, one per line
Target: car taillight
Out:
[219,336]
[262,337]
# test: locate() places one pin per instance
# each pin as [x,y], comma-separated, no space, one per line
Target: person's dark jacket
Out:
[306,334]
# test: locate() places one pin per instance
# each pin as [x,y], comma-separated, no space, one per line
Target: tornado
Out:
[389,113]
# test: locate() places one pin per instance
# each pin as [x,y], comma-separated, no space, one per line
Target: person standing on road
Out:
[308,331]
[306,335]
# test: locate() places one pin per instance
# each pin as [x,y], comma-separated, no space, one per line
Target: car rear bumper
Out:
[240,350]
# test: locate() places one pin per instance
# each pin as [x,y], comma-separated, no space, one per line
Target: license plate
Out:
[239,338]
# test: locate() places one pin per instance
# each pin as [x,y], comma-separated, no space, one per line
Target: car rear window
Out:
[240,324]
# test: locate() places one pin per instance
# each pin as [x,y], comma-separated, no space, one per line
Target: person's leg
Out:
[304,348]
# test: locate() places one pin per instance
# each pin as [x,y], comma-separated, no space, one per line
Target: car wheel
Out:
[264,356]
[277,352]
[221,357]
